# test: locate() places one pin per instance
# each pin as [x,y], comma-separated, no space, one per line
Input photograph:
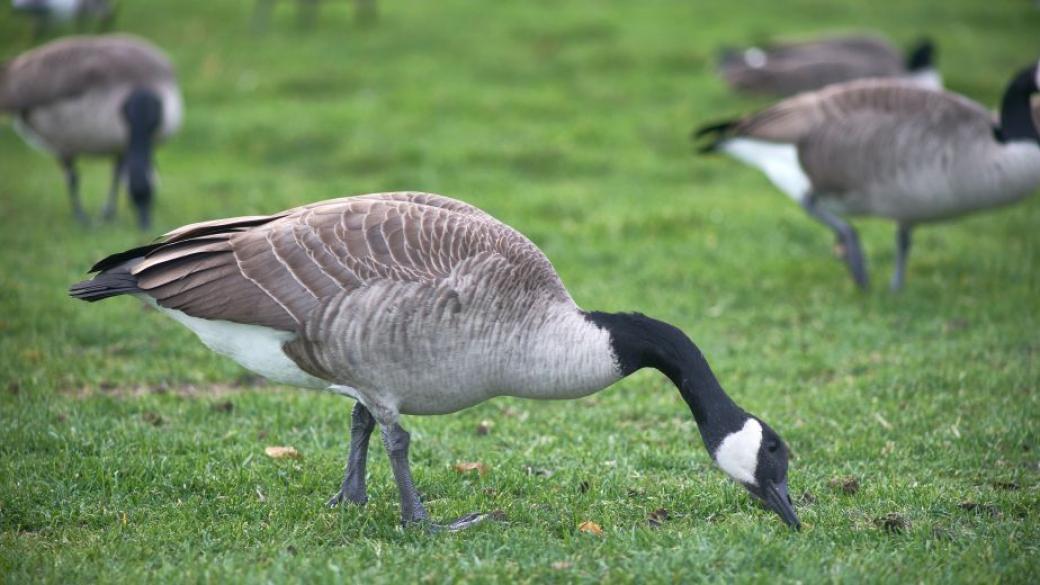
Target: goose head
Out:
[756,457]
[743,446]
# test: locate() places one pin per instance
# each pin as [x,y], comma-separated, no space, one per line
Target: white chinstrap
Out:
[737,455]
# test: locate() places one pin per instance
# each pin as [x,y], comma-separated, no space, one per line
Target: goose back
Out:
[67,95]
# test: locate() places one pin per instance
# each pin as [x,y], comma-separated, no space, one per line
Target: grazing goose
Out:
[47,11]
[106,95]
[888,149]
[365,11]
[413,303]
[789,68]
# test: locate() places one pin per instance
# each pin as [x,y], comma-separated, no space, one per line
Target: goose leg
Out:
[396,440]
[853,253]
[902,253]
[109,211]
[72,180]
[353,488]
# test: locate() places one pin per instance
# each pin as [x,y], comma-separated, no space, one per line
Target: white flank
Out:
[778,161]
[737,455]
[256,348]
[928,78]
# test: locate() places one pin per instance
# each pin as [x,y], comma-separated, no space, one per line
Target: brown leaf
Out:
[562,565]
[465,466]
[282,453]
[590,527]
[152,418]
[484,428]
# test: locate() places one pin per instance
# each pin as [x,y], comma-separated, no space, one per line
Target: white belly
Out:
[256,348]
[778,161]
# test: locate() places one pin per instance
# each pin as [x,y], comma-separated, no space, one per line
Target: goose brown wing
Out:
[276,270]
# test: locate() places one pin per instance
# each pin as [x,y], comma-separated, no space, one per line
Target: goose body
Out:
[113,95]
[785,69]
[416,304]
[888,149]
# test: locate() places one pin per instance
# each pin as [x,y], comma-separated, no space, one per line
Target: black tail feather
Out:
[716,133]
[104,285]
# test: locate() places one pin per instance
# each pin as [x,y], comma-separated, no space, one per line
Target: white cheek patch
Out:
[737,455]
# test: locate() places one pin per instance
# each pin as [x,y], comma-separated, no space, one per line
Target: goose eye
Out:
[772,446]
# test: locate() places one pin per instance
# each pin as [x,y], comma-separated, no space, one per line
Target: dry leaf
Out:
[465,466]
[590,527]
[484,427]
[847,485]
[282,453]
[562,565]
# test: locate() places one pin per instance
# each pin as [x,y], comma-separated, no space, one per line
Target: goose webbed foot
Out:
[461,523]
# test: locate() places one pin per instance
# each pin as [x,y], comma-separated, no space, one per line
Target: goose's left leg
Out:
[846,234]
[353,488]
[902,253]
[397,440]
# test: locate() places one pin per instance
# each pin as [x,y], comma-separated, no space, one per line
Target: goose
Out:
[888,149]
[785,69]
[47,11]
[418,304]
[106,95]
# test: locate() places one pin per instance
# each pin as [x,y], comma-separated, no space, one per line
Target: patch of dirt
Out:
[223,406]
[152,418]
[217,390]
[847,485]
[893,522]
[658,517]
[993,511]
[806,499]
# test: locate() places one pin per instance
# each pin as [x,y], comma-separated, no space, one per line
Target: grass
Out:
[129,453]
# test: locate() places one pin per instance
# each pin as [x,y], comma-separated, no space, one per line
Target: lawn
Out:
[130,453]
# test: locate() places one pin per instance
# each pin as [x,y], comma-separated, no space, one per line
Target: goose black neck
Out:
[1016,116]
[921,57]
[641,342]
[143,113]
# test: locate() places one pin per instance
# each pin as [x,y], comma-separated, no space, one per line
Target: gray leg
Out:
[72,180]
[847,236]
[902,253]
[109,211]
[353,488]
[396,440]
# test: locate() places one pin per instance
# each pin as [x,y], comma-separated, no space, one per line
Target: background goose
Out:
[414,303]
[785,69]
[307,12]
[888,149]
[46,12]
[107,95]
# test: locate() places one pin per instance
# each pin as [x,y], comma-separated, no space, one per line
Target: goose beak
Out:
[779,501]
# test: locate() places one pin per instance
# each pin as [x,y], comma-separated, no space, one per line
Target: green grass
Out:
[569,121]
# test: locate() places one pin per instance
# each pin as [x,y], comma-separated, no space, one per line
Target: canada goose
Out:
[785,69]
[888,149]
[105,95]
[413,303]
[45,12]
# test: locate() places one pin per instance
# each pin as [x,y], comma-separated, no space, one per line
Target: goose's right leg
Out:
[353,488]
[853,253]
[72,181]
[397,440]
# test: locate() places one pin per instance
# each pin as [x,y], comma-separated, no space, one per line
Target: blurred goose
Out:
[106,95]
[307,12]
[46,12]
[785,69]
[889,149]
[413,303]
